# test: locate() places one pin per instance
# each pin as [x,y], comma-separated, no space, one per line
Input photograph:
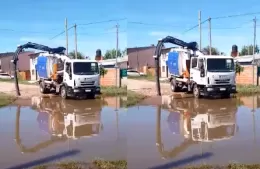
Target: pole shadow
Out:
[183,161]
[46,159]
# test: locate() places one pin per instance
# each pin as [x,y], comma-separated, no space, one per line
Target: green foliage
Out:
[103,71]
[214,51]
[239,68]
[111,54]
[248,50]
[79,55]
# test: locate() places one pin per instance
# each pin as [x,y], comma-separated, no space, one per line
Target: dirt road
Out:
[27,91]
[146,87]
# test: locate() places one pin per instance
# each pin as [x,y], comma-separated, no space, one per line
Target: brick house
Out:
[23,64]
[250,74]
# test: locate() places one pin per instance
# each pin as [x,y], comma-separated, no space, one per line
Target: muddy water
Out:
[42,127]
[223,130]
[157,133]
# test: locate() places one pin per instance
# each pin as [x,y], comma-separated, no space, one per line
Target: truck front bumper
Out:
[85,90]
[216,90]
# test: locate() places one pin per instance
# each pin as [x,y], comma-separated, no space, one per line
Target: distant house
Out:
[138,57]
[122,62]
[23,63]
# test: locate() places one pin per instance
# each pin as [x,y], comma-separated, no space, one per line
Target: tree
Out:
[248,50]
[111,54]
[79,55]
[214,51]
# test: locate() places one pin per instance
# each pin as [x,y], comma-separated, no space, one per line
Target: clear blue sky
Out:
[39,21]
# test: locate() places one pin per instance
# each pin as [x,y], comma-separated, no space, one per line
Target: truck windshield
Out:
[220,65]
[85,68]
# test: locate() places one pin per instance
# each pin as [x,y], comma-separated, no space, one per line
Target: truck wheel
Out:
[226,95]
[91,96]
[174,86]
[63,92]
[196,92]
[43,89]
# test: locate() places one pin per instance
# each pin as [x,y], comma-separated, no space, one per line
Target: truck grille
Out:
[222,81]
[87,83]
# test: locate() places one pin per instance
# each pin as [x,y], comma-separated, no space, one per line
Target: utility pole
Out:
[210,46]
[116,52]
[67,40]
[254,50]
[76,45]
[200,27]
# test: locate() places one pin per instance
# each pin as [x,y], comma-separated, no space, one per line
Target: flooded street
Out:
[147,136]
[51,127]
[226,130]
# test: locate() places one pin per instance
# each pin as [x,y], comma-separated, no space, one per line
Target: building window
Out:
[163,68]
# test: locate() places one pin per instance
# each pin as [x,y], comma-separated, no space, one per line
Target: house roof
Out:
[6,54]
[247,58]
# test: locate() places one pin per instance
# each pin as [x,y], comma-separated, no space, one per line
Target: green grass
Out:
[230,166]
[96,164]
[5,99]
[133,98]
[20,81]
[247,89]
[114,91]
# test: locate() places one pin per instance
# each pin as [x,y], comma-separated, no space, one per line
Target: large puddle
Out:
[177,132]
[194,132]
[45,130]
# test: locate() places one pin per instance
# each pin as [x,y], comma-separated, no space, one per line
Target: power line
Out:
[195,26]
[151,24]
[238,15]
[62,32]
[105,21]
[90,23]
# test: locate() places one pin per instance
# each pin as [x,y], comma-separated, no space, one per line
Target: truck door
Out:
[68,79]
[193,68]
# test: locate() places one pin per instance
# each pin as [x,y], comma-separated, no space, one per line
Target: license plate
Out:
[87,90]
[222,89]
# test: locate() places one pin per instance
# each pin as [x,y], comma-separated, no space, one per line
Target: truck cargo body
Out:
[48,66]
[178,64]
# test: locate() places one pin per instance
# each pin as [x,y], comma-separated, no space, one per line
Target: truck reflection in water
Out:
[198,121]
[63,120]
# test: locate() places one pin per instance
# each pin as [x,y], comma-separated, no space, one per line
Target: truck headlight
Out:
[209,89]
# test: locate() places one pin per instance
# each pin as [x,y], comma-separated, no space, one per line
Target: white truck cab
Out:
[81,77]
[213,74]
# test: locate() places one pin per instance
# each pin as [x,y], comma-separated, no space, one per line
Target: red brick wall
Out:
[246,77]
[110,77]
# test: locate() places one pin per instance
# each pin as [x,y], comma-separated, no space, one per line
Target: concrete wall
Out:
[246,77]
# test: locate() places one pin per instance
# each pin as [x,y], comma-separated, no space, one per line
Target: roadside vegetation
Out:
[96,164]
[248,89]
[5,99]
[132,97]
[230,166]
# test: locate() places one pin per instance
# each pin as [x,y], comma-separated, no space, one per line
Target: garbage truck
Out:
[69,77]
[58,73]
[203,75]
